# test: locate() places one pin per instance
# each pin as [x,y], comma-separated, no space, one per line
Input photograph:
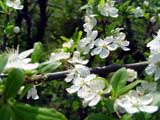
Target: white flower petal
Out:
[96,51]
[150,69]
[104,53]
[94,101]
[112,46]
[149,109]
[98,42]
[25,53]
[73,89]
[69,77]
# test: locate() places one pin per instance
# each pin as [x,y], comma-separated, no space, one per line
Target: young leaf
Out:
[13,82]
[101,3]
[27,112]
[48,67]
[3,62]
[118,81]
[129,87]
[37,53]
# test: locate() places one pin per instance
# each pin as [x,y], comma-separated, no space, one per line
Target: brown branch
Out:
[101,71]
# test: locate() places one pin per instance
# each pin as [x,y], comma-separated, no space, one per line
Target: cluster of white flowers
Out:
[154,58]
[15,4]
[108,9]
[111,43]
[88,86]
[77,72]
[102,47]
[139,100]
[20,60]
[87,43]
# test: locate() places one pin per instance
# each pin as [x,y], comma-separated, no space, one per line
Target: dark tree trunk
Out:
[43,20]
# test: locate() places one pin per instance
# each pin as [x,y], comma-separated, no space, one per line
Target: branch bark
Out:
[101,71]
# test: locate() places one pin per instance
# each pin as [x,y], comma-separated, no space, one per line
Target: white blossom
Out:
[146,88]
[153,19]
[108,9]
[16,4]
[138,12]
[79,83]
[110,43]
[59,56]
[20,60]
[133,103]
[76,59]
[139,100]
[90,23]
[154,45]
[68,44]
[32,93]
[154,58]
[132,74]
[103,47]
[90,89]
[153,69]
[92,94]
[87,43]
[78,72]
[16,29]
[121,42]
[146,3]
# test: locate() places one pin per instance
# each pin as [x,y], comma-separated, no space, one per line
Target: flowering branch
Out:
[101,71]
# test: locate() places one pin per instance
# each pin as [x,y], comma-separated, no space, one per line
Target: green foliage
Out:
[6,113]
[118,81]
[19,111]
[65,19]
[99,116]
[13,83]
[27,112]
[3,62]
[128,87]
[48,67]
[38,52]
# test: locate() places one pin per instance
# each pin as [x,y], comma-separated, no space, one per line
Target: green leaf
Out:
[48,67]
[90,2]
[118,81]
[101,3]
[9,29]
[98,116]
[3,62]
[13,83]
[126,117]
[64,38]
[129,87]
[37,54]
[6,113]
[27,112]
[110,105]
